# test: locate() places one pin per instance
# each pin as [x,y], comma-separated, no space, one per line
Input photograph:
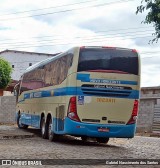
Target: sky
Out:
[52,26]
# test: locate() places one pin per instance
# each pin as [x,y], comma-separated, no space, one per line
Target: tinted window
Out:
[50,74]
[111,60]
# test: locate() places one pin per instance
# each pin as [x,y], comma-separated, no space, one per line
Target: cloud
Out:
[112,25]
[150,75]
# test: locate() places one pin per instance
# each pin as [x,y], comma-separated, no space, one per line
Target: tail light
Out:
[134,113]
[134,50]
[72,110]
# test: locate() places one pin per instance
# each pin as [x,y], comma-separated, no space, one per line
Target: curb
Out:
[12,132]
[16,136]
[157,135]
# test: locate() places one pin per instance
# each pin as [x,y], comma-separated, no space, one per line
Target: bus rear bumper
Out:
[99,130]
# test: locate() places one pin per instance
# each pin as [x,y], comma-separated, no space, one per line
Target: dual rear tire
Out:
[44,129]
[47,130]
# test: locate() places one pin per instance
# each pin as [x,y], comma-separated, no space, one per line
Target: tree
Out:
[5,73]
[153,16]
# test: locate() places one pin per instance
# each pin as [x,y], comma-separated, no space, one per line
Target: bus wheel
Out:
[20,125]
[51,135]
[44,129]
[102,140]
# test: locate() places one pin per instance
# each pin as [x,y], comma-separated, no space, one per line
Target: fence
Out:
[148,118]
[7,109]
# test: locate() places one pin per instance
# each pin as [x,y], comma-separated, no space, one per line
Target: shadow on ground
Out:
[71,140]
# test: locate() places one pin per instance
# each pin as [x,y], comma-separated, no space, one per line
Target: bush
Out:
[5,73]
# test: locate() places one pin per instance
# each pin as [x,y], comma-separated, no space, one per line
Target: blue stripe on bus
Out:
[86,78]
[71,127]
[30,119]
[91,130]
[83,77]
[77,91]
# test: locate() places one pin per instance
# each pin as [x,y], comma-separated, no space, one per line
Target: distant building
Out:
[20,60]
[149,110]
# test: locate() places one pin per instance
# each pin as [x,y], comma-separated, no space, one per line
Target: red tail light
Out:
[134,50]
[134,113]
[72,110]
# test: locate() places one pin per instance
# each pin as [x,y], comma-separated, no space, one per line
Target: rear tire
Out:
[20,125]
[51,135]
[44,129]
[102,140]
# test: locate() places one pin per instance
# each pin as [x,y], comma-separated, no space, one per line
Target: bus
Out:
[87,92]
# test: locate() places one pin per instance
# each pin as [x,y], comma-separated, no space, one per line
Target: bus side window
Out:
[56,71]
[70,60]
[65,64]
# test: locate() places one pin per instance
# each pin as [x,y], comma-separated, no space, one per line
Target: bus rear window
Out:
[108,60]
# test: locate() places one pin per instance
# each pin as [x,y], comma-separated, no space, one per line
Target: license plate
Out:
[103,129]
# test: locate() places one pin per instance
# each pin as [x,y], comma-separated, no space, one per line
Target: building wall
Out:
[149,99]
[144,122]
[7,109]
[21,60]
[145,116]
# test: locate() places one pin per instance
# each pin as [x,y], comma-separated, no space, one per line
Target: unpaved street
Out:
[73,148]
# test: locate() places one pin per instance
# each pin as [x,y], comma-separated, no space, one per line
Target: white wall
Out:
[21,61]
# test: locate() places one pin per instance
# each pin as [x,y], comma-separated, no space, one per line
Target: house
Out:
[20,60]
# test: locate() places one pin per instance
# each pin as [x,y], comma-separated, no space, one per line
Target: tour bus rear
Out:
[106,103]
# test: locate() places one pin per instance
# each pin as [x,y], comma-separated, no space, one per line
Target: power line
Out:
[113,30]
[143,27]
[56,44]
[67,10]
[150,52]
[153,53]
[98,36]
[148,57]
[48,8]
